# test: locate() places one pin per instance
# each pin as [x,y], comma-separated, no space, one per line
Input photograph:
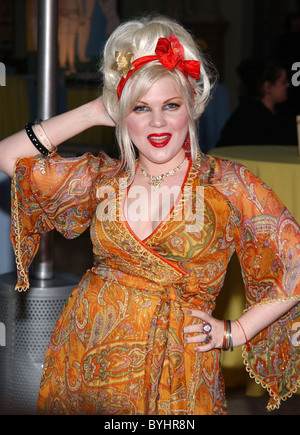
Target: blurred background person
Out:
[70,13]
[84,31]
[262,116]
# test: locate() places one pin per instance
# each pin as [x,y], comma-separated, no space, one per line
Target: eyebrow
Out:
[164,102]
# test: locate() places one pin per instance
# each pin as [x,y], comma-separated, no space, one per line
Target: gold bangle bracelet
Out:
[40,132]
[227,338]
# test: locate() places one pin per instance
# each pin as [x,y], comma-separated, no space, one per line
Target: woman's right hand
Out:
[101,115]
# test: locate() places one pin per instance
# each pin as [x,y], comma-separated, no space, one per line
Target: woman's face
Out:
[278,90]
[158,125]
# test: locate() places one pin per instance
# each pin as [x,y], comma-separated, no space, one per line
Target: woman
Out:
[263,116]
[137,335]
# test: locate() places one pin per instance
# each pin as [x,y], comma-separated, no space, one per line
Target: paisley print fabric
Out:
[118,347]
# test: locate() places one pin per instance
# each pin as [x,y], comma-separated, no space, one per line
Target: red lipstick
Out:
[159,140]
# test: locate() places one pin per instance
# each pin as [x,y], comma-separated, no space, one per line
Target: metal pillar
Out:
[47,58]
[28,319]
[46,106]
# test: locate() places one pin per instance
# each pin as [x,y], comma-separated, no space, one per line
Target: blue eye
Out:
[139,109]
[171,106]
[166,107]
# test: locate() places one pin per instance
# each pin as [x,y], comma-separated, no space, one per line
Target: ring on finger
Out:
[208,339]
[206,327]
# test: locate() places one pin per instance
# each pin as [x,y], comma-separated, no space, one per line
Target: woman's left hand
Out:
[207,334]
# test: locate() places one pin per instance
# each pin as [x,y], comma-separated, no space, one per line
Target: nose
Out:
[157,119]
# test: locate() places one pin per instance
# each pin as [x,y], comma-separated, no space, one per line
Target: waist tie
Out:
[165,365]
[171,368]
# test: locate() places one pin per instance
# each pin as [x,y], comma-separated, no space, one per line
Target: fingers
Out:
[204,342]
[204,348]
[204,331]
[199,314]
[200,338]
[203,327]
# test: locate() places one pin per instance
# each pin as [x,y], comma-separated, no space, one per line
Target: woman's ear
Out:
[267,87]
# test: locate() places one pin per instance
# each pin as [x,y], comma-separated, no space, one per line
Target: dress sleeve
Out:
[55,193]
[267,242]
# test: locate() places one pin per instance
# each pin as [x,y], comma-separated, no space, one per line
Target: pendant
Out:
[156,181]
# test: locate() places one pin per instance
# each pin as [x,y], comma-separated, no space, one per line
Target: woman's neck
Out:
[155,168]
[269,104]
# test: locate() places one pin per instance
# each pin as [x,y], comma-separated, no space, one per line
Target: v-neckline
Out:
[166,217]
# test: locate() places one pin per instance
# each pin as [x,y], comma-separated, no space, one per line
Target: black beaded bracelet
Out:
[30,133]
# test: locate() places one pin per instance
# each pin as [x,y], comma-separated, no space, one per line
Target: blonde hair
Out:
[139,37]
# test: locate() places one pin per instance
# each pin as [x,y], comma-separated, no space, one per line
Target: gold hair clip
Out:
[123,63]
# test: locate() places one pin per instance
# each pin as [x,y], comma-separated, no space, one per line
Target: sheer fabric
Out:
[118,347]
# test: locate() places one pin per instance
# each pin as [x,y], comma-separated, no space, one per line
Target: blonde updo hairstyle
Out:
[140,37]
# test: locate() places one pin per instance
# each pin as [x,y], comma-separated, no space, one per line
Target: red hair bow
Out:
[170,53]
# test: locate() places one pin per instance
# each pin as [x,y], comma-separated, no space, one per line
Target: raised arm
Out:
[58,129]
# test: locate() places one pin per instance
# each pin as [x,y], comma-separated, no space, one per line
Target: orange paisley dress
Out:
[118,346]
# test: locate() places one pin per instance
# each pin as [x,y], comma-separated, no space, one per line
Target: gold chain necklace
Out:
[156,180]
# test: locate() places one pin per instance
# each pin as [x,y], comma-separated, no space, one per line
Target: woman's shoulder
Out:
[107,165]
[219,170]
[233,179]
[243,188]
